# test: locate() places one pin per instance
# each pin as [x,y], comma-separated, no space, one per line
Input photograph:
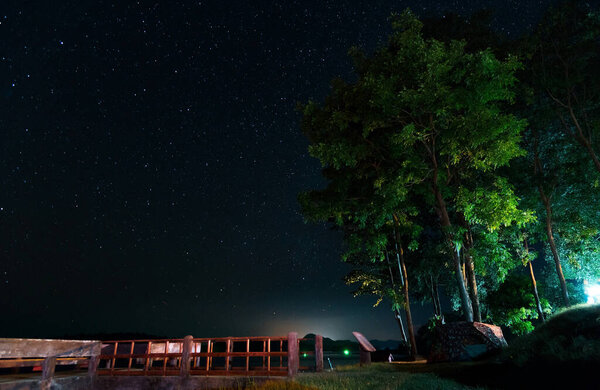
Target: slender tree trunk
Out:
[436,295]
[446,225]
[580,136]
[436,308]
[396,243]
[538,304]
[398,318]
[472,280]
[473,287]
[396,312]
[535,293]
[409,322]
[550,235]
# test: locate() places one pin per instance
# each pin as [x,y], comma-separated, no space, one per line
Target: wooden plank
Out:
[364,342]
[93,365]
[165,360]
[184,366]
[227,348]
[48,367]
[293,355]
[318,353]
[197,349]
[269,356]
[130,355]
[112,366]
[38,362]
[247,354]
[209,350]
[280,350]
[148,361]
[36,348]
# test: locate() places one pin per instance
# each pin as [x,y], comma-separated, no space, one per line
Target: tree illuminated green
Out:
[422,118]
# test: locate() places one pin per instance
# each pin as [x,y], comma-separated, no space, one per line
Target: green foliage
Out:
[421,113]
[570,335]
[513,305]
[493,207]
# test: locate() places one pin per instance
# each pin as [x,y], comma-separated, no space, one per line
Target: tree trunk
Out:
[580,136]
[409,322]
[550,235]
[400,325]
[535,293]
[446,225]
[396,312]
[472,280]
[538,170]
[436,295]
[473,287]
[437,311]
[538,304]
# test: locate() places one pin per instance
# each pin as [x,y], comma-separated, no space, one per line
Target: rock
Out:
[461,341]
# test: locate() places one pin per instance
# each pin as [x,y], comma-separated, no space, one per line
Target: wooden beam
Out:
[36,348]
[184,367]
[293,356]
[48,367]
[318,353]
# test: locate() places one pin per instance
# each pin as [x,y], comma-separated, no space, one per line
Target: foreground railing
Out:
[244,356]
[17,353]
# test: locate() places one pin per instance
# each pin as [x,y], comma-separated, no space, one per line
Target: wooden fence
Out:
[246,356]
[16,353]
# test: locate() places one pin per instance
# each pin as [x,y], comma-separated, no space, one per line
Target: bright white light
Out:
[592,290]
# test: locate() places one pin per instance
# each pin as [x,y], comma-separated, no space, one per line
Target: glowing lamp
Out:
[346,352]
[304,355]
[592,291]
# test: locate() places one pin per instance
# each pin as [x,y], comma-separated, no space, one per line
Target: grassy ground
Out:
[563,353]
[377,376]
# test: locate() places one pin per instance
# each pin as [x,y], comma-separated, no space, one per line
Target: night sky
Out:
[152,156]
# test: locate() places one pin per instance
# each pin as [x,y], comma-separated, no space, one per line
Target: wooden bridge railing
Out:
[16,353]
[247,356]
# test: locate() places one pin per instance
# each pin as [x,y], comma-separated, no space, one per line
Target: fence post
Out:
[184,369]
[292,354]
[318,353]
[95,352]
[48,367]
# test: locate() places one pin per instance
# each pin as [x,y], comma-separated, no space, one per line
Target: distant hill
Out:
[351,345]
[387,344]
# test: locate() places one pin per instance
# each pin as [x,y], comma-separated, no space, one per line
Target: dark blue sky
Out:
[151,157]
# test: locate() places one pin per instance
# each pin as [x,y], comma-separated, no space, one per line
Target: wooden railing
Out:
[247,356]
[17,353]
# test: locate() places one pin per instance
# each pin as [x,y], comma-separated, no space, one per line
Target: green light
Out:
[346,352]
[304,355]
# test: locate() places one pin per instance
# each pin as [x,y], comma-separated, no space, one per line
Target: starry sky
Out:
[151,158]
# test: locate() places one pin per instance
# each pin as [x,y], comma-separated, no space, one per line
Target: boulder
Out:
[462,341]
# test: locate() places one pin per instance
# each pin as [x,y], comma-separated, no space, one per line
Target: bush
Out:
[570,335]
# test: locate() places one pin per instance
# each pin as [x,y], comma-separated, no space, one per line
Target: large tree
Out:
[423,117]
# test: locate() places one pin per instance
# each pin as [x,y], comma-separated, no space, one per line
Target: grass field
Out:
[377,376]
[562,353]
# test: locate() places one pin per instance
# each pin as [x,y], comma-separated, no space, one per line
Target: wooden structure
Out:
[245,356]
[15,353]
[225,356]
[365,347]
